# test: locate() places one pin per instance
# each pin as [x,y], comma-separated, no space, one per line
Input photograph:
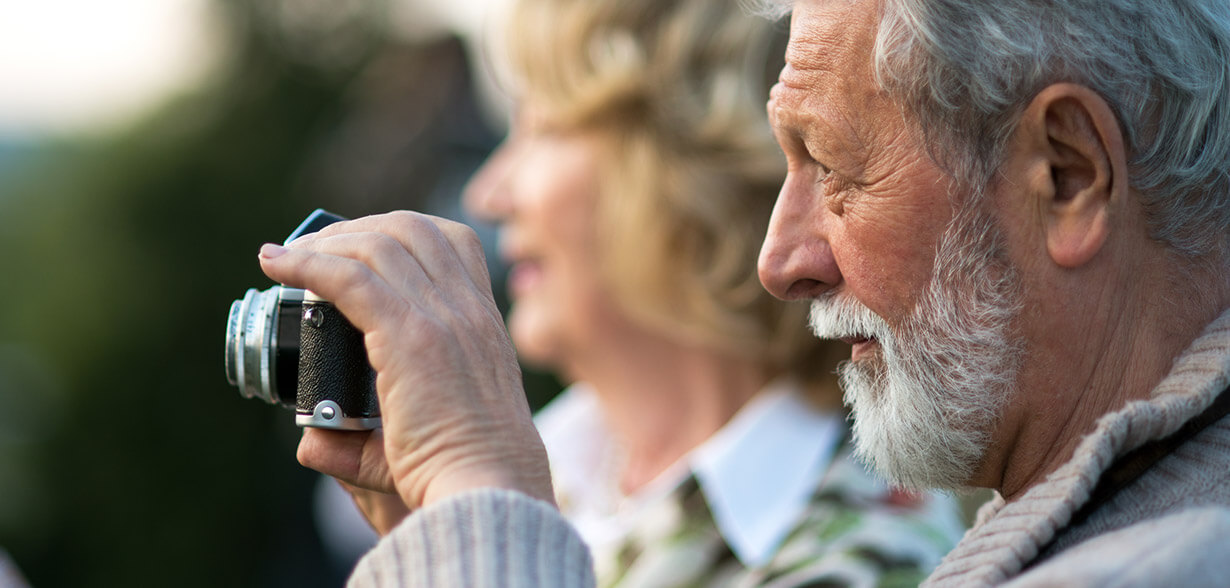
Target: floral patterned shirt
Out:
[773,499]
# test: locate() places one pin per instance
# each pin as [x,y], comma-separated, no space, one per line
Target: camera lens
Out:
[233,351]
[247,361]
[262,346]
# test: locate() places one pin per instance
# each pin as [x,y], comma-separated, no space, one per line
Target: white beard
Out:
[925,405]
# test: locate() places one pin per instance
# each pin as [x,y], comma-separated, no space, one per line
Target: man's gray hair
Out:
[966,69]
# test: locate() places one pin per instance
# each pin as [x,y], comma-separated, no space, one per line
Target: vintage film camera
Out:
[287,346]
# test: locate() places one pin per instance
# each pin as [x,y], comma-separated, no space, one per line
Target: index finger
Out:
[437,243]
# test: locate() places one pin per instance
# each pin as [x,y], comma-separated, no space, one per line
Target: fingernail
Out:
[271,250]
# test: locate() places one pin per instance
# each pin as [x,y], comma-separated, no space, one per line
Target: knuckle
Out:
[463,236]
[380,246]
[353,275]
[402,215]
[407,219]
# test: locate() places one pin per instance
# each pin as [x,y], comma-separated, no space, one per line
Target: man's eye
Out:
[824,171]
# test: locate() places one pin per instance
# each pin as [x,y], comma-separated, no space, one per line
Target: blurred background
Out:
[147,149]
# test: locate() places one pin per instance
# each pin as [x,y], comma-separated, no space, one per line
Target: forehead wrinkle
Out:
[830,50]
[829,77]
[812,116]
[831,36]
[808,60]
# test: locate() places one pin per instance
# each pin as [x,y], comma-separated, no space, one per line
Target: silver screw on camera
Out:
[315,316]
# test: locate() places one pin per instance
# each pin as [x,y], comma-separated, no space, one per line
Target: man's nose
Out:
[797,260]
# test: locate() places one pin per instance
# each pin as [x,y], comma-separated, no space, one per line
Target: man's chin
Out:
[861,381]
[902,440]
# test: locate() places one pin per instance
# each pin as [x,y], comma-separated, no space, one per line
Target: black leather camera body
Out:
[288,346]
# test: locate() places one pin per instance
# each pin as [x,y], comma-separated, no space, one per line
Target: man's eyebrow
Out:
[783,119]
[787,101]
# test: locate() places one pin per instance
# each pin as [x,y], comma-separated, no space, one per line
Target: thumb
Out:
[354,457]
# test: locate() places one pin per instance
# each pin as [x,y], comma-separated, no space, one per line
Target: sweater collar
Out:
[1008,535]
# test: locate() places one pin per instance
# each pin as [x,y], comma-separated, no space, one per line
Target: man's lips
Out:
[860,346]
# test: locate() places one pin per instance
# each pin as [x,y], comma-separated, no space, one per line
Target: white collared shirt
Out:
[757,472]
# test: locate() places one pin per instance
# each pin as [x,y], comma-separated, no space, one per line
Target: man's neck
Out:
[1122,342]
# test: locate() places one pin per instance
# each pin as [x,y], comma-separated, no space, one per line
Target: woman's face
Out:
[542,187]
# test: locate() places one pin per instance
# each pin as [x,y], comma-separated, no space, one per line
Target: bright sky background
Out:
[69,65]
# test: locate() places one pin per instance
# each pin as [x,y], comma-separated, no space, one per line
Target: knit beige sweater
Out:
[1179,500]
[1170,527]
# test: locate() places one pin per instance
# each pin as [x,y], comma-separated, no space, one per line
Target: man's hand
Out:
[454,413]
[383,511]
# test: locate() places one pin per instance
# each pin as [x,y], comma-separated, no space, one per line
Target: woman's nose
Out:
[486,195]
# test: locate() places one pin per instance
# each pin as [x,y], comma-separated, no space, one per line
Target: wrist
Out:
[463,480]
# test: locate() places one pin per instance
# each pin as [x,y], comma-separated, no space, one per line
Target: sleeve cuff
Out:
[486,537]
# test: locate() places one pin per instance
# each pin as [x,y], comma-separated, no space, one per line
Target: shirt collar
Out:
[757,473]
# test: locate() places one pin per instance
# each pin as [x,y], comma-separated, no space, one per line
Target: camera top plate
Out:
[317,220]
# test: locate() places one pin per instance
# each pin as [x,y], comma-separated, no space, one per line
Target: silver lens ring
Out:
[264,315]
[249,354]
[234,339]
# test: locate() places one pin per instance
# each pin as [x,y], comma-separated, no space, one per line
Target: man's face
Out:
[926,400]
[867,225]
[862,206]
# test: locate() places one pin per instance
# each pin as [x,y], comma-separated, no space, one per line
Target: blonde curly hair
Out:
[678,87]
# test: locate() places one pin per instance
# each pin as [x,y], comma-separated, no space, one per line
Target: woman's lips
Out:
[523,276]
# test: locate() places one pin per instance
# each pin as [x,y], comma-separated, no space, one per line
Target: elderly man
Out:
[1016,211]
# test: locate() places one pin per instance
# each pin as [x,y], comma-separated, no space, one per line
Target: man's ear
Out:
[1080,169]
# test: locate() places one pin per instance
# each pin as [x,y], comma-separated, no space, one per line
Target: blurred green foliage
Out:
[125,457]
